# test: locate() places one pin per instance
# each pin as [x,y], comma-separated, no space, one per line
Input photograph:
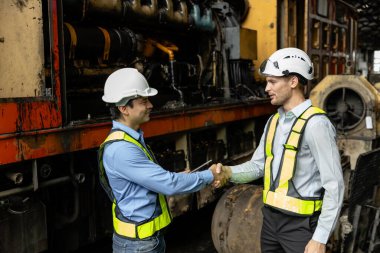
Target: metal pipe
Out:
[15,177]
[355,225]
[31,187]
[173,84]
[181,13]
[146,10]
[35,175]
[372,242]
[170,51]
[63,220]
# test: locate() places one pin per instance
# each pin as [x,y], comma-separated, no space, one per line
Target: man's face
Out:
[279,89]
[140,111]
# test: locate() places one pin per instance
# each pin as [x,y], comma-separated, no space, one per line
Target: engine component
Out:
[237,220]
[351,102]
[23,227]
[100,44]
[16,177]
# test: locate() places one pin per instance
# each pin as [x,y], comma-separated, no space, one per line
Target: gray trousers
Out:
[283,233]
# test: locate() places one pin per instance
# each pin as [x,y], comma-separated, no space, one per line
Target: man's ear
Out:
[294,81]
[123,109]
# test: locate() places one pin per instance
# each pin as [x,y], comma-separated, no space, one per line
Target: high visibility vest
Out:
[131,229]
[279,197]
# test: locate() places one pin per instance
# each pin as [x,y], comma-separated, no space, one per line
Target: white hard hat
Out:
[288,61]
[124,84]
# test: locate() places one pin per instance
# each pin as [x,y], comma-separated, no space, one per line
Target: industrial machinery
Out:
[56,56]
[201,55]
[353,104]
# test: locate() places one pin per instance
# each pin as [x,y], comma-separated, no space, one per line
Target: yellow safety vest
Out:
[138,230]
[279,198]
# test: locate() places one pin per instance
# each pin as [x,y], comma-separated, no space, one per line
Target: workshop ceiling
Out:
[368,23]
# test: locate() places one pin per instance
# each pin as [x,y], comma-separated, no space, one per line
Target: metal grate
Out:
[365,177]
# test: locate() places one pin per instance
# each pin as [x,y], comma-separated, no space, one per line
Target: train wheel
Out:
[237,220]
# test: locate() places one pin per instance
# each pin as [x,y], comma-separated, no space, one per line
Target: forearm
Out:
[245,172]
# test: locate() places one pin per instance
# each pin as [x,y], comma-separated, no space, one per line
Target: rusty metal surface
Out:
[237,220]
[28,116]
[37,144]
[35,113]
[21,68]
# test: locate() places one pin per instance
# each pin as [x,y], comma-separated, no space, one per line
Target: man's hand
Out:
[222,174]
[315,247]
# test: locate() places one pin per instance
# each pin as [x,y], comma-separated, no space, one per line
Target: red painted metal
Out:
[38,144]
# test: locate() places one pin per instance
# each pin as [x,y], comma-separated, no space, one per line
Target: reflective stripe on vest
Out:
[279,197]
[128,229]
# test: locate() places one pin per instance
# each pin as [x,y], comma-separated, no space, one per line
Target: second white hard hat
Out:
[287,61]
[124,84]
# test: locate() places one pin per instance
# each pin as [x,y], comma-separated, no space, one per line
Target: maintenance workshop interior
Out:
[203,57]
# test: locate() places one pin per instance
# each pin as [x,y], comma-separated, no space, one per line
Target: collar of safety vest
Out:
[131,132]
[296,111]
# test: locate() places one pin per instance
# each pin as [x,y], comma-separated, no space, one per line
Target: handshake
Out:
[221,173]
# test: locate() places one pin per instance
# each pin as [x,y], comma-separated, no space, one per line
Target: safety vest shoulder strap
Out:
[269,138]
[119,135]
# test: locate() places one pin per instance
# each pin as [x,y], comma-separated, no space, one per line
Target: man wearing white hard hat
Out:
[299,160]
[129,173]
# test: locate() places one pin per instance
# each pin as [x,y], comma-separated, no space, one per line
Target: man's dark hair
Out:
[114,110]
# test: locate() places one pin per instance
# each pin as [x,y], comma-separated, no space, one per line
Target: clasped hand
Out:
[222,174]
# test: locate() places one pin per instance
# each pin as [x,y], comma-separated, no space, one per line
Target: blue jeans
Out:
[154,244]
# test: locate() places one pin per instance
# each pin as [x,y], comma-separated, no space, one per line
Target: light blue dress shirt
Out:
[318,165]
[135,180]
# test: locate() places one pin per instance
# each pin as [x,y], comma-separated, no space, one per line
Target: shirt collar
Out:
[133,133]
[296,111]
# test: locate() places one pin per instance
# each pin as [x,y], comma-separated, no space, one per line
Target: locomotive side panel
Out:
[22,50]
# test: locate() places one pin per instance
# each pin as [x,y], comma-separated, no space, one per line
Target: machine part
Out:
[345,108]
[241,43]
[31,187]
[351,102]
[45,170]
[24,231]
[361,200]
[179,204]
[169,50]
[367,170]
[345,228]
[240,7]
[99,44]
[16,177]
[237,220]
[202,22]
